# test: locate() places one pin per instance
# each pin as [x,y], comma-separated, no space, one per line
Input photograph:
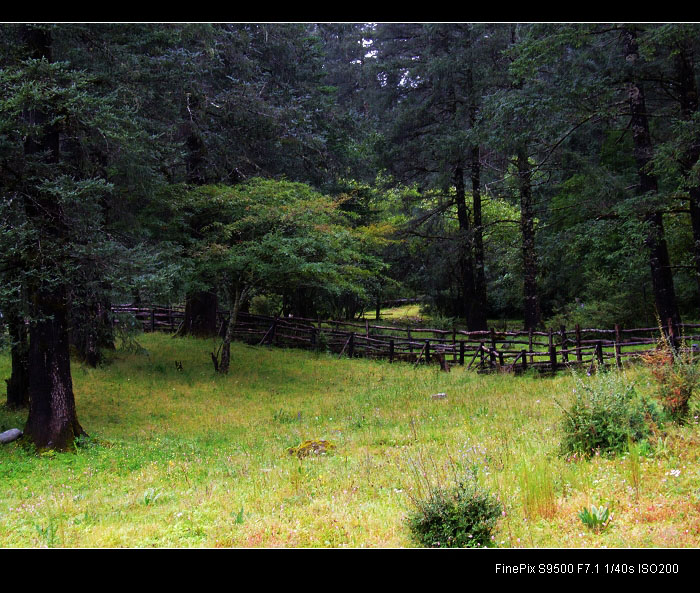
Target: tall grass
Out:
[193,459]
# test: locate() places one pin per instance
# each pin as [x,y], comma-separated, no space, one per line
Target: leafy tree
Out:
[269,237]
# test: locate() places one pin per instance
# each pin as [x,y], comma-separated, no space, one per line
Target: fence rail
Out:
[486,351]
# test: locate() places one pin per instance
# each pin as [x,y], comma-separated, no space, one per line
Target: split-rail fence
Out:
[486,351]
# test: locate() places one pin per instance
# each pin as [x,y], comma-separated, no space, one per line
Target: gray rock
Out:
[439,396]
[10,435]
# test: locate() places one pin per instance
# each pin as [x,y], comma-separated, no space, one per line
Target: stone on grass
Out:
[10,435]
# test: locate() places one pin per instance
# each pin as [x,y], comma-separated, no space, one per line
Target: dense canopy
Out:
[543,173]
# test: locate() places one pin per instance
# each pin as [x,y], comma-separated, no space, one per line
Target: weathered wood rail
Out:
[485,351]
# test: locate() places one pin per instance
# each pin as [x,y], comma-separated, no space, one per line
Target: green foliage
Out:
[274,237]
[127,329]
[266,305]
[677,376]
[596,518]
[464,516]
[605,414]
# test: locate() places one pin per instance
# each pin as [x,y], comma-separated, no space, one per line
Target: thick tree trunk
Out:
[690,103]
[655,241]
[531,304]
[201,315]
[18,383]
[52,422]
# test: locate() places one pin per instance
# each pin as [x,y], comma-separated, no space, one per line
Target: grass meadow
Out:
[191,459]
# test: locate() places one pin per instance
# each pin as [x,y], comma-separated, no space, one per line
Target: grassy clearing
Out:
[191,459]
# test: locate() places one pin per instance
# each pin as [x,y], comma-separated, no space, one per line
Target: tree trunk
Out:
[655,241]
[479,321]
[228,336]
[690,103]
[52,422]
[200,315]
[18,383]
[466,261]
[531,304]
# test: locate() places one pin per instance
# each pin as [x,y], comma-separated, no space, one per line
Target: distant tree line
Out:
[541,172]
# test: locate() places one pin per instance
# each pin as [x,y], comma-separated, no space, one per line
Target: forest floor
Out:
[191,459]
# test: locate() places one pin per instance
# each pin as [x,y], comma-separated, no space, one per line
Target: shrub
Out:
[677,376]
[461,517]
[596,518]
[266,305]
[605,415]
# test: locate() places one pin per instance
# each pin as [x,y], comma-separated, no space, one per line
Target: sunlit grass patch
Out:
[189,458]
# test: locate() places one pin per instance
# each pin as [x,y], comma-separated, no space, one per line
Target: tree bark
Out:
[479,321]
[18,383]
[531,305]
[53,421]
[200,315]
[689,104]
[655,240]
[466,260]
[225,361]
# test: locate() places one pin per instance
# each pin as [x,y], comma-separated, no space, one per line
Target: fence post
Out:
[553,357]
[461,352]
[564,354]
[523,354]
[672,337]
[427,351]
[599,352]
[579,354]
[530,345]
[618,346]
[454,344]
[391,351]
[351,345]
[153,319]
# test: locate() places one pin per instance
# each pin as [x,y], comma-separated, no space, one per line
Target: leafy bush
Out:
[677,376]
[605,415]
[460,517]
[266,305]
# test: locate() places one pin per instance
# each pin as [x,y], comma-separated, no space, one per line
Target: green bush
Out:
[677,374]
[266,305]
[605,415]
[461,517]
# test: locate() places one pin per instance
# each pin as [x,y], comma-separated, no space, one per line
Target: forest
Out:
[527,175]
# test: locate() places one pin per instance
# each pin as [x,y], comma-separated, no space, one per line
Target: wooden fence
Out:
[486,351]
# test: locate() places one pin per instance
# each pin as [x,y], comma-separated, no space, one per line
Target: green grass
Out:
[192,459]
